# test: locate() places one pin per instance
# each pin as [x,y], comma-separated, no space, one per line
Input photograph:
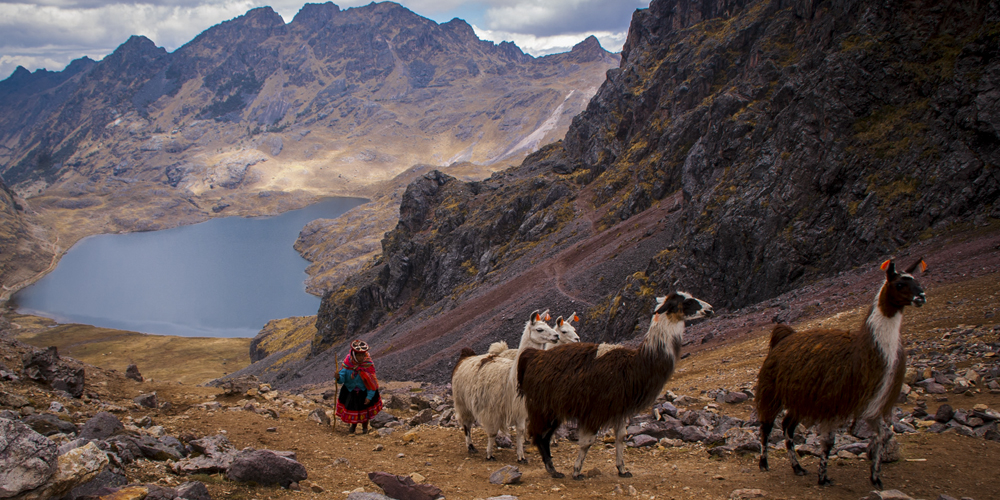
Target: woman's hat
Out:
[359,346]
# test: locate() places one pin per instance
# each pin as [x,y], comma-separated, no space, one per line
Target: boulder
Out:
[382,418]
[403,487]
[101,426]
[238,385]
[422,417]
[319,415]
[193,490]
[146,400]
[27,458]
[265,467]
[76,467]
[507,474]
[132,372]
[216,455]
[47,367]
[48,424]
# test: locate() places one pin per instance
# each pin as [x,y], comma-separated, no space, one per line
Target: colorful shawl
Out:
[365,368]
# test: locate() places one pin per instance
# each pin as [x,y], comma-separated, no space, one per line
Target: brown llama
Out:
[827,377]
[602,385]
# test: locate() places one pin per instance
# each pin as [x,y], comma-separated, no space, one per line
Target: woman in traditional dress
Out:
[359,399]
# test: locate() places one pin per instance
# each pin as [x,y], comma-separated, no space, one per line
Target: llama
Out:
[826,377]
[483,389]
[565,329]
[602,385]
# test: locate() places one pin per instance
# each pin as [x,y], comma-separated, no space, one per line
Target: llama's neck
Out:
[883,324]
[664,338]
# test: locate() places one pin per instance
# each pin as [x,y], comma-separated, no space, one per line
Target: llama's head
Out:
[537,332]
[680,306]
[901,288]
[567,333]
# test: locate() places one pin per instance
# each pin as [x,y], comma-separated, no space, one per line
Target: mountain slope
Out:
[741,150]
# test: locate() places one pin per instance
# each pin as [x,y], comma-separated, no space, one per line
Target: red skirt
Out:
[351,407]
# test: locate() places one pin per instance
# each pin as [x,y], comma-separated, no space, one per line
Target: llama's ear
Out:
[546,315]
[575,317]
[536,316]
[659,302]
[559,321]
[919,264]
[885,265]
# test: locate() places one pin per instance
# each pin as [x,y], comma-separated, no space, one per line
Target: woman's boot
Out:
[364,427]
[353,428]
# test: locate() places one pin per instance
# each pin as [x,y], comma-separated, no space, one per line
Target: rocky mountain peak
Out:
[588,50]
[315,15]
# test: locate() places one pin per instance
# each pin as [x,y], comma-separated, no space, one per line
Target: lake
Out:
[221,278]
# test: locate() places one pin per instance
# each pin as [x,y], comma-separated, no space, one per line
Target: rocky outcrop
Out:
[48,368]
[27,458]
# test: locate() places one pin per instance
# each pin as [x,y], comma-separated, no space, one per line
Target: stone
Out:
[13,400]
[132,372]
[146,400]
[382,418]
[744,493]
[417,477]
[104,483]
[642,441]
[935,388]
[666,408]
[129,493]
[319,415]
[238,386]
[944,413]
[216,455]
[27,458]
[403,487]
[887,495]
[396,402]
[48,424]
[410,437]
[692,433]
[76,467]
[507,474]
[735,398]
[422,417]
[101,426]
[265,467]
[364,495]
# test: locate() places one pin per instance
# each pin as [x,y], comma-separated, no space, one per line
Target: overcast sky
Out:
[51,33]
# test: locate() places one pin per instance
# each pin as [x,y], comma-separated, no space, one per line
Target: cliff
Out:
[741,150]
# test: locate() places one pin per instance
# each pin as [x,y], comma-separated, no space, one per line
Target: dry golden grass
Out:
[189,360]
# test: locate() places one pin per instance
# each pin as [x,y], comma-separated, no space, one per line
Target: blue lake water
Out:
[221,278]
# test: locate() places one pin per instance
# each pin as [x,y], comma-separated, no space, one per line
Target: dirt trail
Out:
[548,274]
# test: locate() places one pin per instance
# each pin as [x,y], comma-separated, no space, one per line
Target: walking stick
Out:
[336,390]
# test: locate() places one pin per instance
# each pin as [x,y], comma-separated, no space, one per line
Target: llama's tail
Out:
[497,347]
[779,333]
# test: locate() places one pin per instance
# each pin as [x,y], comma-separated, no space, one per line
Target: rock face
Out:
[27,458]
[787,142]
[47,367]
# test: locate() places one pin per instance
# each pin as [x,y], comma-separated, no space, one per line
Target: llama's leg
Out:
[542,441]
[828,440]
[585,438]
[766,426]
[491,441]
[467,428]
[620,450]
[519,442]
[788,425]
[876,447]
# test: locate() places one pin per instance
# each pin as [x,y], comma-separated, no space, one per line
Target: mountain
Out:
[328,104]
[741,150]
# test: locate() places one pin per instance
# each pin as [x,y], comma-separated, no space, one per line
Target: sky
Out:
[51,33]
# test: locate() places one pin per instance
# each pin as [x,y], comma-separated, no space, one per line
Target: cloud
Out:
[545,45]
[557,17]
[51,33]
